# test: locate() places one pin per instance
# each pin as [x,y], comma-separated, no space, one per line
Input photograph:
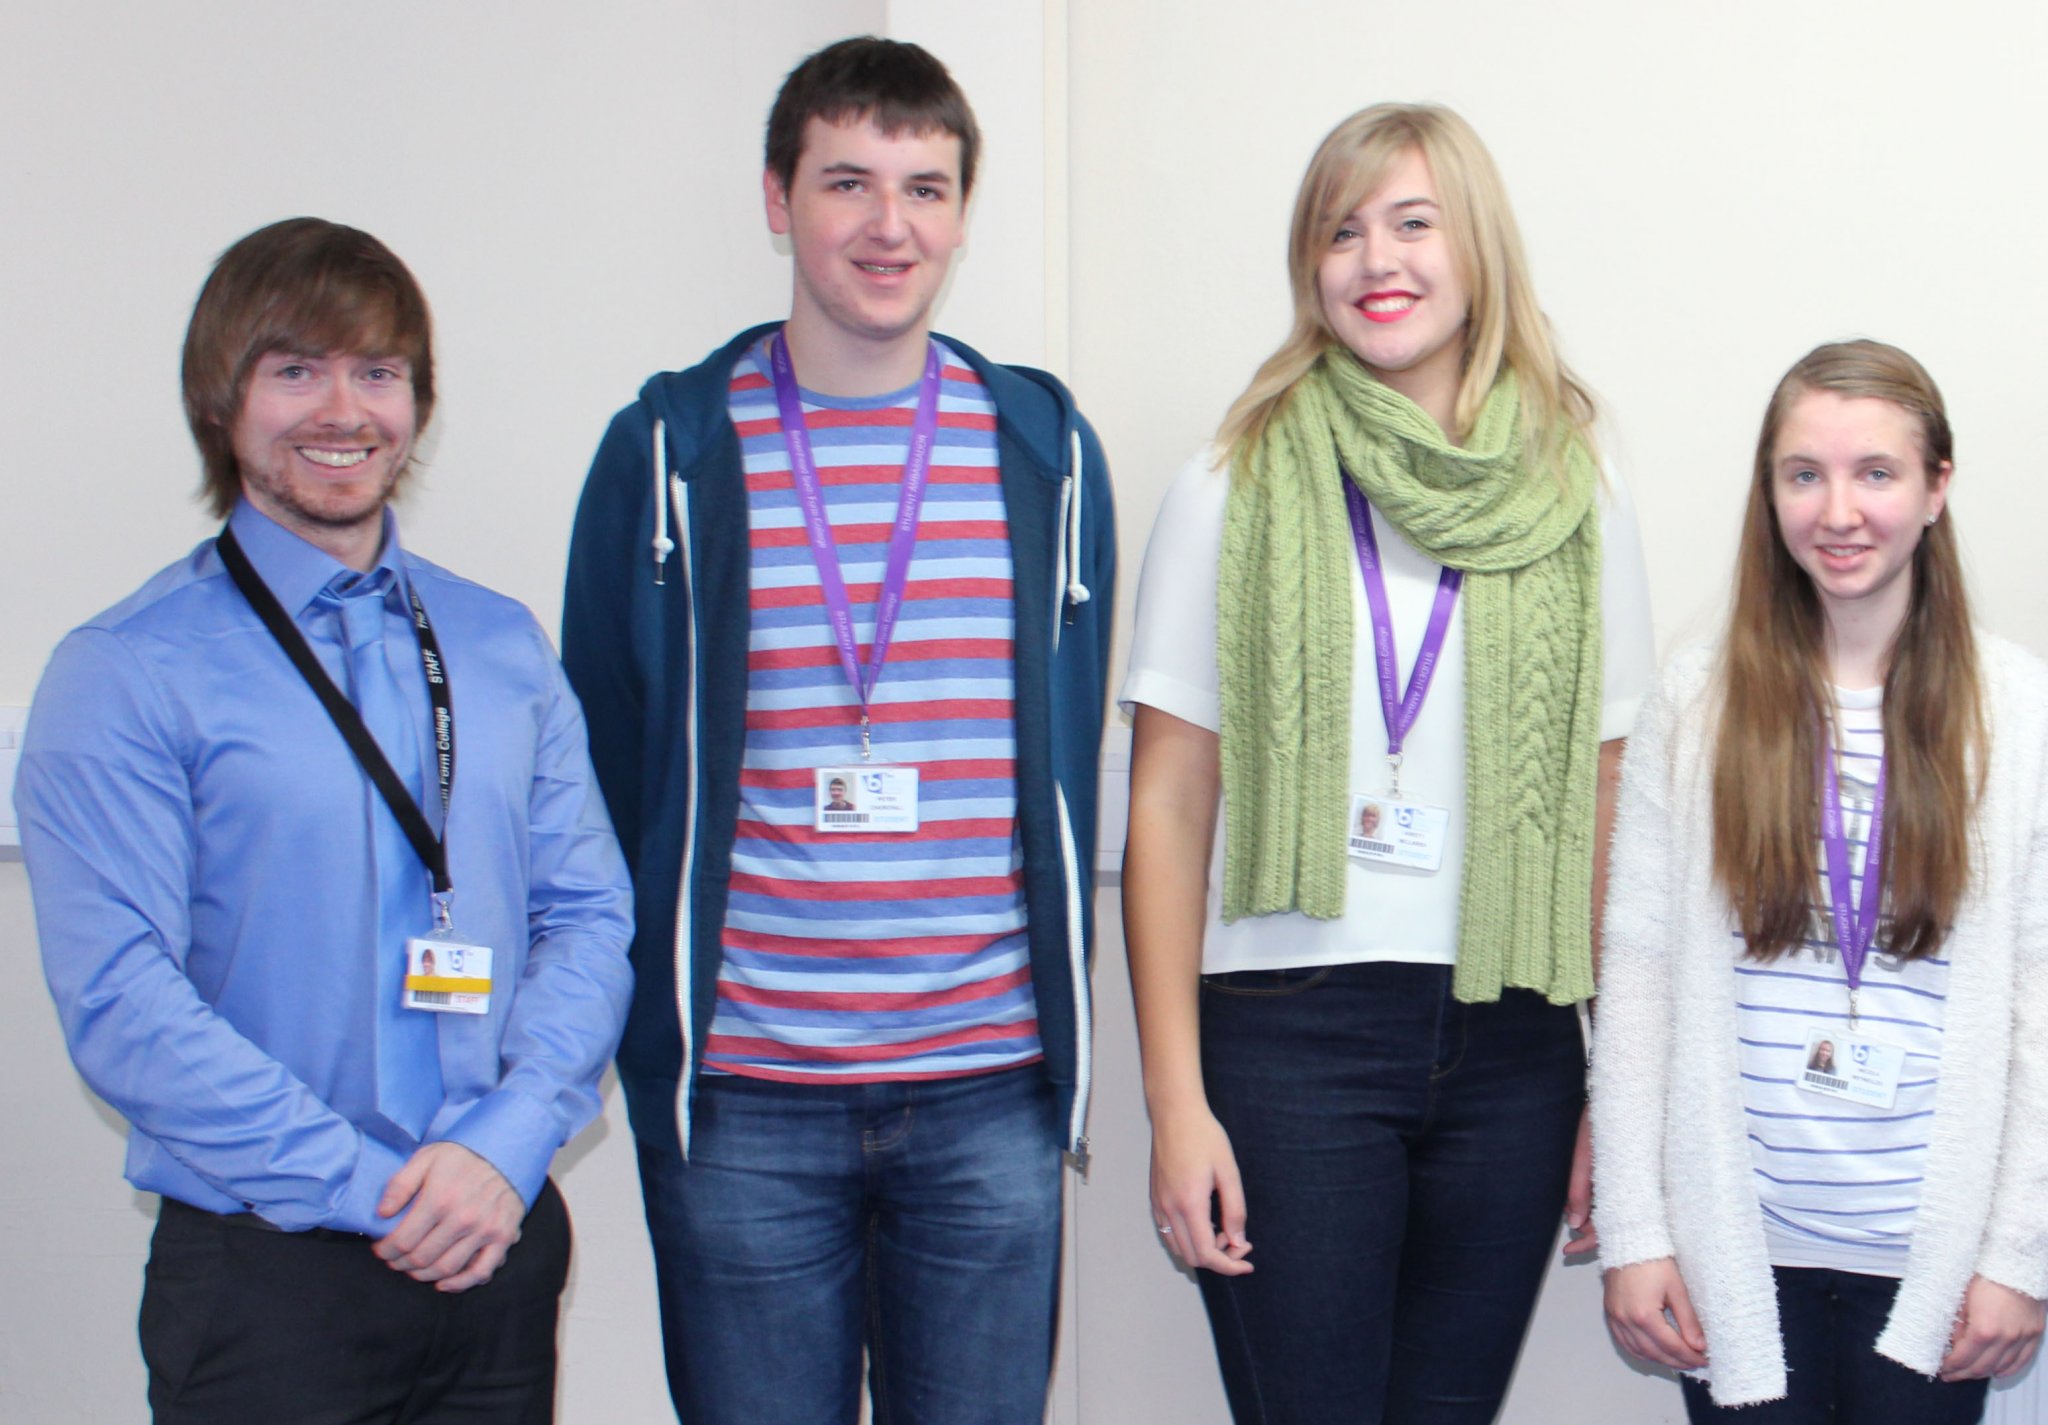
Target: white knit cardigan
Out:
[1672,1171]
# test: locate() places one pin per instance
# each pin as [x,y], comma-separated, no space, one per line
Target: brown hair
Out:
[1776,698]
[1505,327]
[305,286]
[896,86]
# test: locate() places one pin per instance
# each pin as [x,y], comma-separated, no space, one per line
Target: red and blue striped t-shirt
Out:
[857,956]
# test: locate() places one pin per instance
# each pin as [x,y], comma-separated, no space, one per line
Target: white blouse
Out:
[1390,912]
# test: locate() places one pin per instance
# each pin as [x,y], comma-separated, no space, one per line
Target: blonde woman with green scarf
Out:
[1395,627]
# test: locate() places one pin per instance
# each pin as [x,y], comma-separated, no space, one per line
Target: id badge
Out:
[1397,833]
[446,975]
[1841,1063]
[864,799]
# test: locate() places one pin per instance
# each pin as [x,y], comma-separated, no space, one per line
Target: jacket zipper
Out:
[1059,564]
[684,961]
[1077,964]
[1077,953]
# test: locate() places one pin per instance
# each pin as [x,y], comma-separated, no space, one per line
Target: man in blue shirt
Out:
[350,1002]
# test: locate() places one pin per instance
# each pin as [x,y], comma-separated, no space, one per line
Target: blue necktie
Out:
[408,1046]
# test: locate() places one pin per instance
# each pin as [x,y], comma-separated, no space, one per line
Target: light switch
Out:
[12,722]
[1113,795]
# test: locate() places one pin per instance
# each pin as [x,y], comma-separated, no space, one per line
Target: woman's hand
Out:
[1638,1297]
[1176,784]
[1997,1334]
[1578,1196]
[1192,1166]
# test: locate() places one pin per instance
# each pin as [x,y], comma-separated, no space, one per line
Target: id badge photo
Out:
[866,798]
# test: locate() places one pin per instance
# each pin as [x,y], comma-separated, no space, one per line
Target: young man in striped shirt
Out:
[838,609]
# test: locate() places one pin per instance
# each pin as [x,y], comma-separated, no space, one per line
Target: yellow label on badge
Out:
[447,985]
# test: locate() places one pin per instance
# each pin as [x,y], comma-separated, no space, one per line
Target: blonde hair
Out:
[1505,327]
[1775,698]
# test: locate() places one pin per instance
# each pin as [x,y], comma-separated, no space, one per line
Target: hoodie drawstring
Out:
[663,545]
[1077,592]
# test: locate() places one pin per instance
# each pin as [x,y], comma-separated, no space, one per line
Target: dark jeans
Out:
[917,1224]
[1831,1321]
[243,1323]
[1404,1160]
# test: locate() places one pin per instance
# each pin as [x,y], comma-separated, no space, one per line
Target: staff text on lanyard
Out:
[432,849]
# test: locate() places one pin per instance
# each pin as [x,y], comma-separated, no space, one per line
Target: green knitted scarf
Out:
[1529,544]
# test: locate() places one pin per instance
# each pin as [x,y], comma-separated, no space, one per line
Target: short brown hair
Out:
[307,286]
[895,85]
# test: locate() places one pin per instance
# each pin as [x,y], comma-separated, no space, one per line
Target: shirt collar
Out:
[296,571]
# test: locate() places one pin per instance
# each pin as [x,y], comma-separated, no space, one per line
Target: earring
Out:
[1932,518]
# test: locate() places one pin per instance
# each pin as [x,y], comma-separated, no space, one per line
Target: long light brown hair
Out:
[1777,702]
[1504,326]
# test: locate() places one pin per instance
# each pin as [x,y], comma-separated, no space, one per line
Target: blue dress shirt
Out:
[202,849]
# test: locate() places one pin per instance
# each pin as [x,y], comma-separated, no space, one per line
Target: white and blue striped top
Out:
[1840,1181]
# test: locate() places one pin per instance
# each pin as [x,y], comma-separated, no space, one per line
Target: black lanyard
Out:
[432,849]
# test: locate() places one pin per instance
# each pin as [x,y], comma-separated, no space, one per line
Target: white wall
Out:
[1705,192]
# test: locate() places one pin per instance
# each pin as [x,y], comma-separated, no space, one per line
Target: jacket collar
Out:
[1033,407]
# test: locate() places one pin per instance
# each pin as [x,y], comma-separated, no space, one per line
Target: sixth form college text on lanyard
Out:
[442,972]
[1388,829]
[1855,920]
[1844,1062]
[867,796]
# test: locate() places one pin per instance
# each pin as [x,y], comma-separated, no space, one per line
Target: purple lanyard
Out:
[1855,923]
[825,553]
[1400,711]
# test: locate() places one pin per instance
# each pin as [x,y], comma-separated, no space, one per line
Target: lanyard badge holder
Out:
[1386,828]
[1844,1062]
[443,973]
[867,796]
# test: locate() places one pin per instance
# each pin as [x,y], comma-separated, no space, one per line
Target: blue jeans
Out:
[1404,1160]
[1831,1321]
[915,1223]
